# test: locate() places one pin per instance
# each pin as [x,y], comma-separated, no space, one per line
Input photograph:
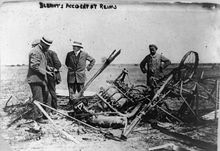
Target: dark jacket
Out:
[52,59]
[37,66]
[54,62]
[77,66]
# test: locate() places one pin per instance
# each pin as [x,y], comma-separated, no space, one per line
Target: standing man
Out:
[53,66]
[155,65]
[76,63]
[37,76]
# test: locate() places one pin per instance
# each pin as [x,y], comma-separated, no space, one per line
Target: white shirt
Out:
[76,53]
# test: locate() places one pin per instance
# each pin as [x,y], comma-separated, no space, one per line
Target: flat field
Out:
[197,136]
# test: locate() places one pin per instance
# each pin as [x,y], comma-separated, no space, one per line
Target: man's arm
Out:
[35,60]
[56,61]
[166,61]
[67,60]
[92,62]
[142,65]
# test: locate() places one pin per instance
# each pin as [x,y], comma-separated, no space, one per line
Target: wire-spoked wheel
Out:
[187,67]
[179,79]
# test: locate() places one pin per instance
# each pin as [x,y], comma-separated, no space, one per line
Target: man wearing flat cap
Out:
[76,63]
[37,75]
[155,65]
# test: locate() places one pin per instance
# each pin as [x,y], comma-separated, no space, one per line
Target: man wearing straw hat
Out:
[53,66]
[76,63]
[37,76]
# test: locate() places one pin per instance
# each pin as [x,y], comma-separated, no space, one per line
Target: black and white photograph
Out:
[109,75]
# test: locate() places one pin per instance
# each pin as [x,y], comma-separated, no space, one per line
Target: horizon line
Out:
[208,63]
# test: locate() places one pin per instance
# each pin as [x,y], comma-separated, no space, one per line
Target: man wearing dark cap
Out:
[155,65]
[37,75]
[76,63]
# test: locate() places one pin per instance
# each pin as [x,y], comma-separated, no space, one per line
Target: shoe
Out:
[69,107]
[35,128]
[53,112]
[54,116]
[44,117]
[70,103]
[42,121]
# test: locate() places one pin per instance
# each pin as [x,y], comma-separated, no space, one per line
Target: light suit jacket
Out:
[37,66]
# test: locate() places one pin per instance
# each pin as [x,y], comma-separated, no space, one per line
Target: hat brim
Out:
[46,43]
[78,46]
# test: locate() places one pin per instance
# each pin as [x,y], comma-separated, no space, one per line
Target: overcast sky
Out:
[175,29]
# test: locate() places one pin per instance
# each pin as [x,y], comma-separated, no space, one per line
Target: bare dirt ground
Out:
[200,136]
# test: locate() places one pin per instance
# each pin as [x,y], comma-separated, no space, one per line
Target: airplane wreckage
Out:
[119,105]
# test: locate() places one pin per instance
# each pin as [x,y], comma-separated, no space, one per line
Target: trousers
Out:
[52,89]
[40,93]
[73,87]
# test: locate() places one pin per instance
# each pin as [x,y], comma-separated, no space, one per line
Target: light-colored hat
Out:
[77,44]
[46,41]
[35,42]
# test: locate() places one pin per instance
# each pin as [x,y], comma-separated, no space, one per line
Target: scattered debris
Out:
[169,147]
[211,115]
[56,128]
[122,105]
